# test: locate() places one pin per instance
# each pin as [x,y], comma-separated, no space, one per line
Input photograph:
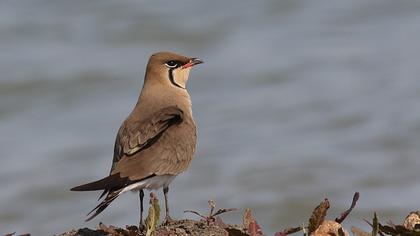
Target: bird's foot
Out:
[168,220]
[142,226]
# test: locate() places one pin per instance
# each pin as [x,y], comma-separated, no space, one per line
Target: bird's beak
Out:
[192,62]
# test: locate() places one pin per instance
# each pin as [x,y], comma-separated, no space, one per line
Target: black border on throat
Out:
[172,79]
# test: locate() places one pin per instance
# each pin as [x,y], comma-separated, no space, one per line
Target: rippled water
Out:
[297,101]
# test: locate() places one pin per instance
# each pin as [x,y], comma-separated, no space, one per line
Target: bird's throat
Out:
[172,79]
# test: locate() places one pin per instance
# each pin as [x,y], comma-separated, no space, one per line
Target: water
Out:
[296,101]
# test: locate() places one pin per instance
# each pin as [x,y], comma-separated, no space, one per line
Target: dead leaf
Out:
[288,231]
[152,219]
[330,227]
[247,218]
[280,234]
[412,221]
[250,224]
[318,216]
[397,230]
[346,213]
[223,210]
[254,229]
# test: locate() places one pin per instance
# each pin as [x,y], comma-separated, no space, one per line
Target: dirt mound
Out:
[180,227]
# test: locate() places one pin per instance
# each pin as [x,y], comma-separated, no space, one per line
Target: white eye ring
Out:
[171,64]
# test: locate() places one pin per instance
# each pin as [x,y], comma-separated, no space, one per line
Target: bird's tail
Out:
[112,195]
[111,185]
[111,182]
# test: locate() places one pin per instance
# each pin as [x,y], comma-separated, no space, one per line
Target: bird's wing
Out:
[163,146]
[134,137]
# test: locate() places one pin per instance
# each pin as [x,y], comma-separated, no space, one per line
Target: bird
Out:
[157,140]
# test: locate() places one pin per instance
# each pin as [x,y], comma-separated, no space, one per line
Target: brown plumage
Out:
[157,140]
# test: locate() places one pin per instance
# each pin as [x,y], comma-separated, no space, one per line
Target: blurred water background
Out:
[296,101]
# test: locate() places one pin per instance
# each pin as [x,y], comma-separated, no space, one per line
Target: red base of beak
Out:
[192,62]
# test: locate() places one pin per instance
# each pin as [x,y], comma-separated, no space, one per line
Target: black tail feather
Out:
[103,194]
[111,182]
[104,204]
[111,186]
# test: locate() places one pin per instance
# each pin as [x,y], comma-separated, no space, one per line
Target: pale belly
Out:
[154,182]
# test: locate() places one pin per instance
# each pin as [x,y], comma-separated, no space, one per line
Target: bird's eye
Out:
[171,64]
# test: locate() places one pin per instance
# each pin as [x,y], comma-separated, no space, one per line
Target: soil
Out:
[178,228]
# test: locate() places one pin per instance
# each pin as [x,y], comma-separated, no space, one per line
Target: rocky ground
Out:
[211,224]
[181,228]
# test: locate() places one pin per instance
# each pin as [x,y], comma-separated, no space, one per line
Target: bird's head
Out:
[170,69]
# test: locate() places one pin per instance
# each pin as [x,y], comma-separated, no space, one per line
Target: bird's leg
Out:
[141,195]
[168,219]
